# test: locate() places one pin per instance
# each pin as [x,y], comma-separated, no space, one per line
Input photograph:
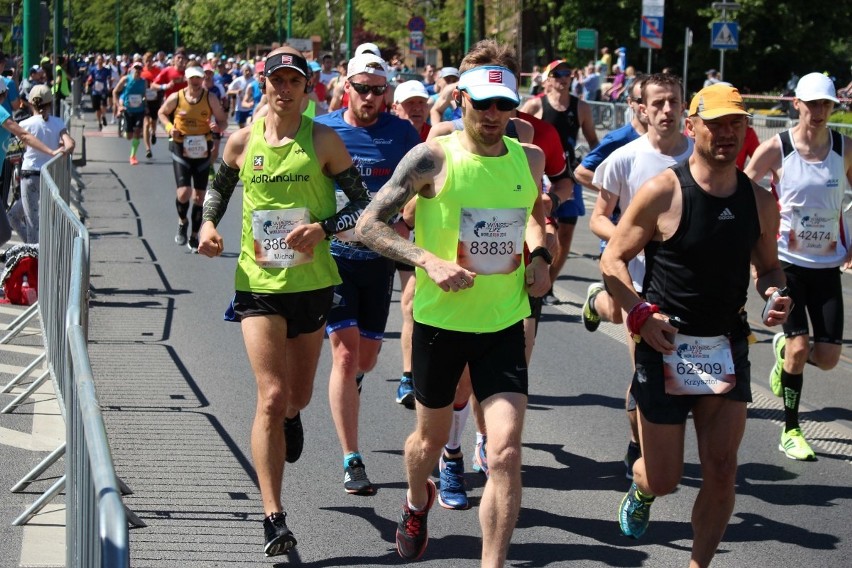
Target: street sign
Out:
[587,38]
[653,7]
[17,34]
[416,24]
[651,32]
[415,43]
[301,43]
[725,35]
[216,48]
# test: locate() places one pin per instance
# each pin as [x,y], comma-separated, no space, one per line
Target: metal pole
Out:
[650,51]
[349,49]
[289,19]
[722,51]
[117,28]
[687,41]
[280,25]
[32,33]
[468,25]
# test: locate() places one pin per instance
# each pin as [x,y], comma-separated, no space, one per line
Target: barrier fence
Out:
[96,519]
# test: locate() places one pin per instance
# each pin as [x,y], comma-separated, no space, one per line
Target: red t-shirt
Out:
[546,137]
[171,74]
[424,131]
[749,146]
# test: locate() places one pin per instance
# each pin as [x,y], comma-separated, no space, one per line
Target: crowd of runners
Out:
[351,176]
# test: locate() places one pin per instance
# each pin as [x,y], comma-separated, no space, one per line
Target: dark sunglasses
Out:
[503,105]
[362,89]
[560,73]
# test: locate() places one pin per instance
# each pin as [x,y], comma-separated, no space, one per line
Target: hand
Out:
[210,242]
[449,276]
[305,237]
[537,277]
[780,310]
[656,332]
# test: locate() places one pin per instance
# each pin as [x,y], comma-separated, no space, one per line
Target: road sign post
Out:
[726,35]
[651,26]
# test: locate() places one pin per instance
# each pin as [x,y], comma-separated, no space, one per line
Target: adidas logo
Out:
[726,215]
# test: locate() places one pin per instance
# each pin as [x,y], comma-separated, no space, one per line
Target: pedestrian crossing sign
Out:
[725,35]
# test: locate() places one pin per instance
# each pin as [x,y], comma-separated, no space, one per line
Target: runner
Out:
[469,305]
[129,98]
[100,83]
[691,220]
[192,140]
[811,167]
[377,142]
[282,297]
[153,100]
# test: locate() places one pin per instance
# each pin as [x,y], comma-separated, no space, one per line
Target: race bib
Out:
[270,229]
[699,365]
[813,231]
[195,146]
[150,94]
[134,101]
[491,241]
[99,86]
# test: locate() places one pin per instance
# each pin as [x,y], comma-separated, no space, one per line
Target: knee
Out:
[300,400]
[503,461]
[825,359]
[719,471]
[272,402]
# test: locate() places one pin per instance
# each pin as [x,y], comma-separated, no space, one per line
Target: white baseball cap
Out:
[193,71]
[449,72]
[368,48]
[367,63]
[489,81]
[409,90]
[815,87]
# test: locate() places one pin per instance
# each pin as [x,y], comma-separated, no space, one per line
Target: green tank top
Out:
[478,219]
[282,186]
[311,109]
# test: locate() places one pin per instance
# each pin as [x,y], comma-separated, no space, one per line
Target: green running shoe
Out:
[795,447]
[634,513]
[778,343]
[591,319]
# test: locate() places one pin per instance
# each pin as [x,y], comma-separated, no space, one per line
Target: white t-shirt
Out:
[624,172]
[48,131]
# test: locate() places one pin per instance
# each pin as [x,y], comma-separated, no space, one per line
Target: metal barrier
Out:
[96,520]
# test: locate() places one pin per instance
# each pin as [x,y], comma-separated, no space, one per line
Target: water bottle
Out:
[29,293]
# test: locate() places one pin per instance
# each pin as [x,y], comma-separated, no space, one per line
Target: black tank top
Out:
[701,273]
[567,124]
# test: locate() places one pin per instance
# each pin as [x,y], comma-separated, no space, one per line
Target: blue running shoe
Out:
[480,460]
[452,494]
[405,392]
[634,513]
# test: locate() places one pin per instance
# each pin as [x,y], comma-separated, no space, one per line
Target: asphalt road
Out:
[178,399]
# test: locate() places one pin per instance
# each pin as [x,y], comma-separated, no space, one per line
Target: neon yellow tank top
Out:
[478,219]
[279,183]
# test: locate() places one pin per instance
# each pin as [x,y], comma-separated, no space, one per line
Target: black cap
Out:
[286,60]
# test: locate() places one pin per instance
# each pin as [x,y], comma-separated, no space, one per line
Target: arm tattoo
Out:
[353,186]
[417,166]
[219,194]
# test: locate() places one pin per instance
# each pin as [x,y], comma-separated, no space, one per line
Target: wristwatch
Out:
[543,253]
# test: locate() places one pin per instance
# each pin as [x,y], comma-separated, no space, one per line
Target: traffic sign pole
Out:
[724,6]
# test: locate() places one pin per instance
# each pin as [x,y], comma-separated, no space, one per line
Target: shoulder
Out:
[238,141]
[535,155]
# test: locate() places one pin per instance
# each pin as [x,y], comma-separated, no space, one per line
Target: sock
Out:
[792,385]
[197,211]
[134,146]
[349,457]
[182,209]
[642,496]
[407,374]
[460,414]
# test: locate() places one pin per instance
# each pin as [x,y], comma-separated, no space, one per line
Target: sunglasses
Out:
[503,105]
[560,73]
[362,89]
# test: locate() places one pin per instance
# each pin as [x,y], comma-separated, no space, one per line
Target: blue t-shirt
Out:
[12,95]
[100,78]
[4,134]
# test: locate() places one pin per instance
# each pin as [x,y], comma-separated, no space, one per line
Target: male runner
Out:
[285,274]
[100,84]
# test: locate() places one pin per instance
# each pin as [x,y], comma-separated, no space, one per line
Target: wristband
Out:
[638,315]
[169,128]
[543,253]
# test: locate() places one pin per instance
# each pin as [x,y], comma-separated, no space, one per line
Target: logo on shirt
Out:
[832,183]
[258,163]
[382,141]
[726,215]
[286,178]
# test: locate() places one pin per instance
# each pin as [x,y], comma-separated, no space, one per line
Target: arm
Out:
[600,222]
[584,175]
[218,112]
[68,143]
[166,110]
[29,139]
[766,160]
[587,124]
[440,129]
[116,98]
[537,274]
[436,113]
[533,107]
[768,274]
[337,98]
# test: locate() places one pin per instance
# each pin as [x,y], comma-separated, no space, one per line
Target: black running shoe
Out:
[103,120]
[180,236]
[412,534]
[355,480]
[153,138]
[192,245]
[294,436]
[279,538]
[148,154]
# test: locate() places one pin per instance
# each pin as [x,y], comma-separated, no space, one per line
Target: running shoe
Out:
[148,154]
[480,460]
[591,319]
[279,538]
[634,513]
[795,447]
[192,245]
[134,161]
[294,437]
[412,534]
[405,392]
[103,121]
[452,494]
[549,299]
[633,454]
[778,343]
[100,127]
[355,480]
[180,236]
[153,138]
[359,378]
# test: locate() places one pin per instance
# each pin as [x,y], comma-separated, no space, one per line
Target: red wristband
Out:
[638,315]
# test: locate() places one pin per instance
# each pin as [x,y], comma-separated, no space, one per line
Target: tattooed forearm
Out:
[351,183]
[219,193]
[415,171]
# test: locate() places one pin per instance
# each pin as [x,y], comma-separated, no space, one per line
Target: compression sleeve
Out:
[352,184]
[219,194]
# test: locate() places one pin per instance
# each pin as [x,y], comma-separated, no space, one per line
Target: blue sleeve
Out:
[14,94]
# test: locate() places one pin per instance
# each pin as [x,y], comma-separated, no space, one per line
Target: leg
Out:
[342,390]
[719,427]
[423,448]
[501,499]
[564,236]
[660,468]
[405,389]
